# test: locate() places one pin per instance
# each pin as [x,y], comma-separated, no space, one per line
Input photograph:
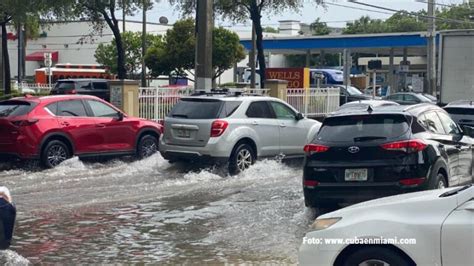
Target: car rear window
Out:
[15,108]
[65,86]
[197,109]
[361,128]
[459,111]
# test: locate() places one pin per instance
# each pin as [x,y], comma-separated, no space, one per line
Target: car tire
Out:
[147,146]
[54,153]
[439,182]
[242,157]
[377,255]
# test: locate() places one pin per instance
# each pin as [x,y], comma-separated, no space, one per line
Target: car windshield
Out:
[429,96]
[196,109]
[15,108]
[360,128]
[353,91]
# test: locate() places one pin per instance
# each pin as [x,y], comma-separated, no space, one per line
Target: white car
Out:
[426,228]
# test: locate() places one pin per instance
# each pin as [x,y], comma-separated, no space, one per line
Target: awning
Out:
[39,56]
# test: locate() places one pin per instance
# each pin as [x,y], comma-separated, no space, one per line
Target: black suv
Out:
[360,155]
[95,87]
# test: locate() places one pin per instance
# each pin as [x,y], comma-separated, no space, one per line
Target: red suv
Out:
[55,128]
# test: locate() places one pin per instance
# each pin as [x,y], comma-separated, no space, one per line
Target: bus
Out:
[66,71]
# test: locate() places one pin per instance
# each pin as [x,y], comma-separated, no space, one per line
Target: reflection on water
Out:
[151,211]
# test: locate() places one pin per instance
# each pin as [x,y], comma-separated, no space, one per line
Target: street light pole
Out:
[144,45]
[431,51]
[252,62]
[204,27]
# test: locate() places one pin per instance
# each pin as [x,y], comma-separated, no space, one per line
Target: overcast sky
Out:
[336,16]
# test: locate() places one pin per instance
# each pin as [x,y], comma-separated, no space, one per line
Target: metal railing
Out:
[156,102]
[33,88]
[314,102]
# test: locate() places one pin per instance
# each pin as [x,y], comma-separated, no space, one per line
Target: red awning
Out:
[39,56]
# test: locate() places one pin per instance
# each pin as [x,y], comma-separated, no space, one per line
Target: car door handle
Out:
[282,125]
[255,123]
[66,124]
[100,125]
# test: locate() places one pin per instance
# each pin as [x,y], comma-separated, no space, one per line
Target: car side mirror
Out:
[120,116]
[467,130]
[299,116]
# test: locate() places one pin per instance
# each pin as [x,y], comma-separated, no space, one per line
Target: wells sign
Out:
[296,77]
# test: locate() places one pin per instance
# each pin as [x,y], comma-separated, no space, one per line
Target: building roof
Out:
[416,42]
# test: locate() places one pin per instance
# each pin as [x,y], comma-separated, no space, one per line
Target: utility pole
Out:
[124,15]
[20,52]
[431,56]
[252,61]
[204,27]
[144,44]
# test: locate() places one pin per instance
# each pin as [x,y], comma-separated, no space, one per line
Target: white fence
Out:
[314,102]
[34,88]
[156,102]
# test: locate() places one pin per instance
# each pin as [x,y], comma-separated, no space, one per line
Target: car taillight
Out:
[218,128]
[310,183]
[72,92]
[22,123]
[315,148]
[412,181]
[407,146]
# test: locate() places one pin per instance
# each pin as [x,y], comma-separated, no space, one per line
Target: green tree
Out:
[102,13]
[19,12]
[365,25]
[403,22]
[270,30]
[106,54]
[242,10]
[177,55]
[462,12]
[319,28]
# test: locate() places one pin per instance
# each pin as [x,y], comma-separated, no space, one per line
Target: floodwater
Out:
[150,211]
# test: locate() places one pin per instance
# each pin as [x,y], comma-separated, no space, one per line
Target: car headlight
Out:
[5,194]
[321,224]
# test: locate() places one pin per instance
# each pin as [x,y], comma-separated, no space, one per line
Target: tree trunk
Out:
[6,60]
[114,26]
[257,20]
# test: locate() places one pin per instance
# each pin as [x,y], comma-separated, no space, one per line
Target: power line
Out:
[358,8]
[412,13]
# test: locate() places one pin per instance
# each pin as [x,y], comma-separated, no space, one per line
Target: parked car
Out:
[409,98]
[95,87]
[425,228]
[7,218]
[367,154]
[54,128]
[364,104]
[462,112]
[350,94]
[234,129]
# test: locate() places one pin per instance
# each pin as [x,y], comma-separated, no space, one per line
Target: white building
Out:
[73,42]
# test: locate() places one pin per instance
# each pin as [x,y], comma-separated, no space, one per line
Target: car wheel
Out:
[376,256]
[147,146]
[54,154]
[241,159]
[440,182]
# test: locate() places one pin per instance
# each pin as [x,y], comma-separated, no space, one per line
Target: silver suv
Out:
[234,129]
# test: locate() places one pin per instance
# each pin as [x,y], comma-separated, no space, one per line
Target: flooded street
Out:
[151,211]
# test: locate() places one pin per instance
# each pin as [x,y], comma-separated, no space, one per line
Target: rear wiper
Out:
[178,115]
[454,191]
[368,138]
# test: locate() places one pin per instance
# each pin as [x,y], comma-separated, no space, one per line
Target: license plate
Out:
[183,133]
[356,175]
